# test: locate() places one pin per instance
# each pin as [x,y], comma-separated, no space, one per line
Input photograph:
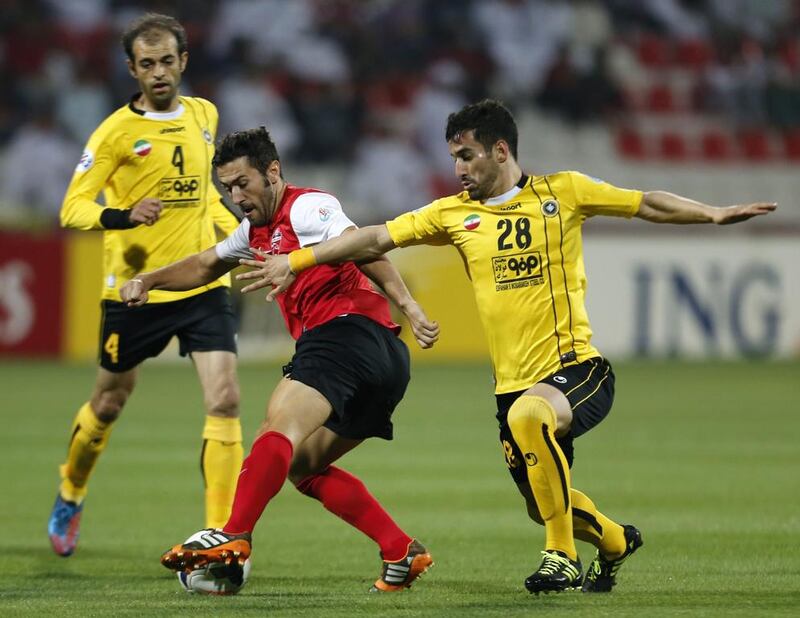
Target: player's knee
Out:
[224,402]
[107,404]
[530,411]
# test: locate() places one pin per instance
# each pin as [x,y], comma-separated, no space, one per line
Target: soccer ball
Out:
[215,578]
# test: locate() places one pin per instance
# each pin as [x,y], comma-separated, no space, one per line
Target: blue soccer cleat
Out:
[64,526]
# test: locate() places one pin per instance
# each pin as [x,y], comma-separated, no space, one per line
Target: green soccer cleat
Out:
[556,574]
[602,573]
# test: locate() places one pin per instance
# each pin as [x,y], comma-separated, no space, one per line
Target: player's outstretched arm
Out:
[663,207]
[384,273]
[361,245]
[186,274]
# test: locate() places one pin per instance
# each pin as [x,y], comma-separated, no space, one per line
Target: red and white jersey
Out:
[319,294]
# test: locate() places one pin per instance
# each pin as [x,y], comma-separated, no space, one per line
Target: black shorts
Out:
[360,367]
[128,335]
[589,388]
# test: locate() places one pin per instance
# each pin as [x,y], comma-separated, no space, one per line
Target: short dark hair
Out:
[150,22]
[489,119]
[255,144]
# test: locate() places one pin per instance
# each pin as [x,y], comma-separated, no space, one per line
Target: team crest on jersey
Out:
[86,161]
[550,208]
[142,147]
[324,214]
[207,136]
[275,242]
[471,222]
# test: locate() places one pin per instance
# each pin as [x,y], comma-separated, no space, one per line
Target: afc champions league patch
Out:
[275,241]
[207,136]
[471,222]
[550,208]
[324,214]
[85,162]
[142,147]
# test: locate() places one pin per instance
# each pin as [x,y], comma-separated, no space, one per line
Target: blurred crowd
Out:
[368,83]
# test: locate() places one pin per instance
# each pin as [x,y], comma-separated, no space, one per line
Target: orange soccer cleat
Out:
[207,546]
[400,574]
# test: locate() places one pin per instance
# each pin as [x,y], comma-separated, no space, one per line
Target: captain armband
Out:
[301,259]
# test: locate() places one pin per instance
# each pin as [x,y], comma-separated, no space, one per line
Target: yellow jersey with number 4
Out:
[134,155]
[523,254]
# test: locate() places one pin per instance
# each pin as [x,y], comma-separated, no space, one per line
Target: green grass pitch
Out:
[703,457]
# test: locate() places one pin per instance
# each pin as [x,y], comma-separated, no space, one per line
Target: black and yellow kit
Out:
[134,155]
[524,257]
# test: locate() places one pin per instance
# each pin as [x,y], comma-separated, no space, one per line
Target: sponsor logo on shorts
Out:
[142,147]
[471,222]
[324,214]
[86,161]
[550,208]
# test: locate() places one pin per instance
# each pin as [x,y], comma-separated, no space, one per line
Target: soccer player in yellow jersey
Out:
[520,238]
[152,161]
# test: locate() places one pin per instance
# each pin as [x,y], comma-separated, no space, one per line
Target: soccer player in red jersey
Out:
[348,373]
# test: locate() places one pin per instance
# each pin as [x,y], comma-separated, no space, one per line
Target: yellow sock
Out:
[532,421]
[220,462]
[89,439]
[593,527]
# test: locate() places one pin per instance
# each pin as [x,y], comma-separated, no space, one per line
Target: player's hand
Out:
[269,270]
[134,293]
[147,211]
[742,212]
[425,332]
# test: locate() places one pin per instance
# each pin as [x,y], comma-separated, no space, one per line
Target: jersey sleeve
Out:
[237,245]
[596,197]
[80,209]
[419,227]
[317,217]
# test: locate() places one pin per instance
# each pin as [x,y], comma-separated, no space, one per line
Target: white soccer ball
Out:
[215,578]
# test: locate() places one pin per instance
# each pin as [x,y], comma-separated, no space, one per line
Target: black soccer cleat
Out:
[556,574]
[602,573]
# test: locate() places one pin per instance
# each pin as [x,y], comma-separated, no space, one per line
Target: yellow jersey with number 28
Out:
[523,254]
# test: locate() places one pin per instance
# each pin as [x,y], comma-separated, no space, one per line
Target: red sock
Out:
[262,476]
[346,496]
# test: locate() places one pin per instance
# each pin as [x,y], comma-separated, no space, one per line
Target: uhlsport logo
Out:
[560,379]
[471,222]
[142,147]
[530,459]
[207,136]
[550,208]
